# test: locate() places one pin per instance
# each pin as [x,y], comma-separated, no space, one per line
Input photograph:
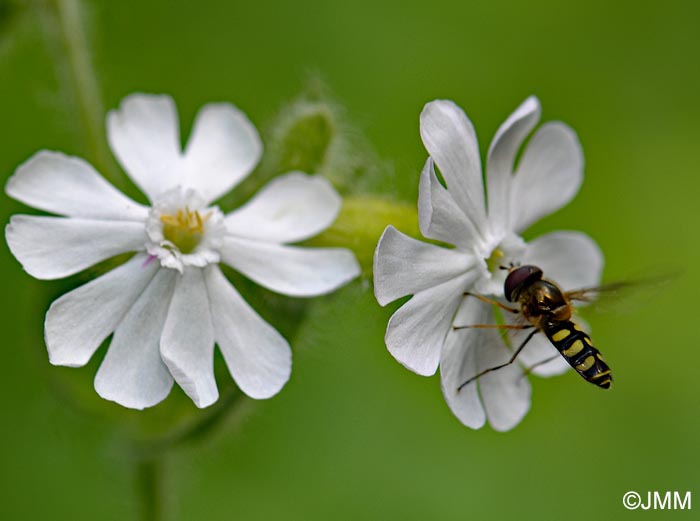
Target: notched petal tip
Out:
[474,419]
[382,299]
[201,395]
[269,391]
[230,114]
[290,208]
[257,355]
[12,239]
[425,203]
[23,172]
[59,360]
[223,148]
[325,188]
[531,104]
[549,174]
[423,362]
[106,394]
[440,104]
[60,355]
[136,98]
[135,103]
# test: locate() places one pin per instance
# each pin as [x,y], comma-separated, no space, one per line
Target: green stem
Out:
[150,456]
[84,79]
[149,474]
[229,406]
[74,67]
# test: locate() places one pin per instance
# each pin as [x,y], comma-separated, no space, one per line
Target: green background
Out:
[354,435]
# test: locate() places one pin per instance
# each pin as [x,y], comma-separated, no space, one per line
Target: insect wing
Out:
[614,289]
[623,295]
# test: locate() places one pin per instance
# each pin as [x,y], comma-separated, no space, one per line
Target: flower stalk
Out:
[65,22]
[149,474]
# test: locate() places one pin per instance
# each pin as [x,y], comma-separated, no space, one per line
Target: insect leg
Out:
[527,370]
[491,301]
[494,326]
[512,359]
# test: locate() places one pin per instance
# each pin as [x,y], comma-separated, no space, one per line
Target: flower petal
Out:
[79,321]
[501,161]
[449,137]
[571,259]
[133,373]
[223,149]
[404,266]
[257,356]
[55,247]
[548,176]
[291,270]
[505,392]
[290,208]
[416,332]
[439,216]
[187,343]
[65,185]
[458,363]
[144,134]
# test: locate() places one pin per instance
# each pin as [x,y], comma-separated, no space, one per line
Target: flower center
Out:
[185,228]
[179,236]
[495,260]
[501,251]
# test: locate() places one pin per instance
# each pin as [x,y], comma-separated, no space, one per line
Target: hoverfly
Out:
[547,309]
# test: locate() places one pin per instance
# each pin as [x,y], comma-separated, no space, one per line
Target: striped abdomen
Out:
[576,347]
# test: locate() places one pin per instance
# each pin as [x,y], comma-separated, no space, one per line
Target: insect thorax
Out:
[542,301]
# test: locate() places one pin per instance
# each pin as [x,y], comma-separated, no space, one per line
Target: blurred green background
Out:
[354,435]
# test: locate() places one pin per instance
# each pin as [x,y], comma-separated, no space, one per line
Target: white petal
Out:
[79,321]
[501,160]
[55,247]
[404,266]
[133,373]
[224,148]
[449,137]
[290,208]
[187,343]
[290,270]
[144,134]
[506,392]
[571,259]
[416,332]
[548,176]
[439,216]
[65,185]
[257,356]
[458,363]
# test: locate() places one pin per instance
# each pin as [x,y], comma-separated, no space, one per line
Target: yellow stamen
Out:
[184,229]
[494,261]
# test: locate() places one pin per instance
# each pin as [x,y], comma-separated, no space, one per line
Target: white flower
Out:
[170,303]
[485,236]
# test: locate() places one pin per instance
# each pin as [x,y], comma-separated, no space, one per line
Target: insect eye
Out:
[518,278]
